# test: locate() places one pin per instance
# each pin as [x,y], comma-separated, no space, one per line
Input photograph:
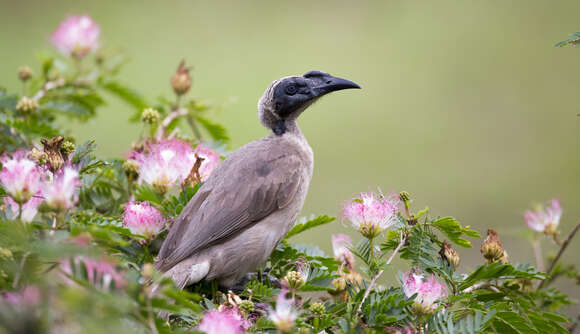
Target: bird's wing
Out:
[247,192]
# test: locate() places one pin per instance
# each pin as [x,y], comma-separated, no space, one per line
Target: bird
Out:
[248,204]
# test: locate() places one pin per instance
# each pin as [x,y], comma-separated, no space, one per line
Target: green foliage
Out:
[453,230]
[304,226]
[572,41]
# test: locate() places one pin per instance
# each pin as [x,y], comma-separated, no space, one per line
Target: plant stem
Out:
[374,279]
[19,211]
[562,249]
[371,252]
[19,273]
[194,128]
[538,254]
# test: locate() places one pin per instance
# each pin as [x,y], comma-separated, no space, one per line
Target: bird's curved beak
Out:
[327,84]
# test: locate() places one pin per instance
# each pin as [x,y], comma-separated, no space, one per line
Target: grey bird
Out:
[252,199]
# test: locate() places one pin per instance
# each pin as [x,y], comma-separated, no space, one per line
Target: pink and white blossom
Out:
[428,290]
[29,209]
[545,219]
[28,297]
[168,163]
[340,246]
[371,214]
[143,219]
[284,315]
[20,177]
[61,191]
[216,322]
[210,161]
[77,36]
[100,272]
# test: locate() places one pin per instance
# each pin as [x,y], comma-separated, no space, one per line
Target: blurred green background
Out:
[465,104]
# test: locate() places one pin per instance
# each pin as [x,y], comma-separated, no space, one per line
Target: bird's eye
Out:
[291,89]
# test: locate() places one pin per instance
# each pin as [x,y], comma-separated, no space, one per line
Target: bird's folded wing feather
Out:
[243,195]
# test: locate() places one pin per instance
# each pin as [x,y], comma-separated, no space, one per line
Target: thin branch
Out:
[559,255]
[194,128]
[19,273]
[165,123]
[538,254]
[482,285]
[376,277]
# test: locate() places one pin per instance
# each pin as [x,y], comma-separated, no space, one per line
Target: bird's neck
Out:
[289,126]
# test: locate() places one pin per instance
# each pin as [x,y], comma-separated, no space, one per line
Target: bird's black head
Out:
[288,97]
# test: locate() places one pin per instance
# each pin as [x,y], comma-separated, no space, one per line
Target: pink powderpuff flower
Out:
[428,290]
[284,316]
[168,163]
[342,253]
[143,219]
[215,322]
[371,214]
[29,209]
[28,297]
[77,36]
[210,161]
[100,272]
[61,191]
[20,176]
[546,219]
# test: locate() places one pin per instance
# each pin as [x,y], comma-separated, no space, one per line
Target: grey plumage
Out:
[251,200]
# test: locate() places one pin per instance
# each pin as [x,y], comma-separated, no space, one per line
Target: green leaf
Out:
[555,317]
[126,94]
[147,193]
[500,271]
[453,230]
[301,227]
[572,41]
[215,130]
[511,322]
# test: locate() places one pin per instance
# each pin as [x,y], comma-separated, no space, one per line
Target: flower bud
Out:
[181,80]
[5,253]
[147,270]
[317,308]
[449,255]
[40,157]
[131,168]
[247,306]
[404,196]
[492,249]
[26,104]
[67,147]
[150,116]
[24,73]
[52,148]
[339,284]
[293,280]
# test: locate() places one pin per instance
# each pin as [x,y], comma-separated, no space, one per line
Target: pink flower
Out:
[546,219]
[143,219]
[372,215]
[284,316]
[100,272]
[29,209]
[20,177]
[61,191]
[169,162]
[340,246]
[210,161]
[77,36]
[215,322]
[27,297]
[428,290]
